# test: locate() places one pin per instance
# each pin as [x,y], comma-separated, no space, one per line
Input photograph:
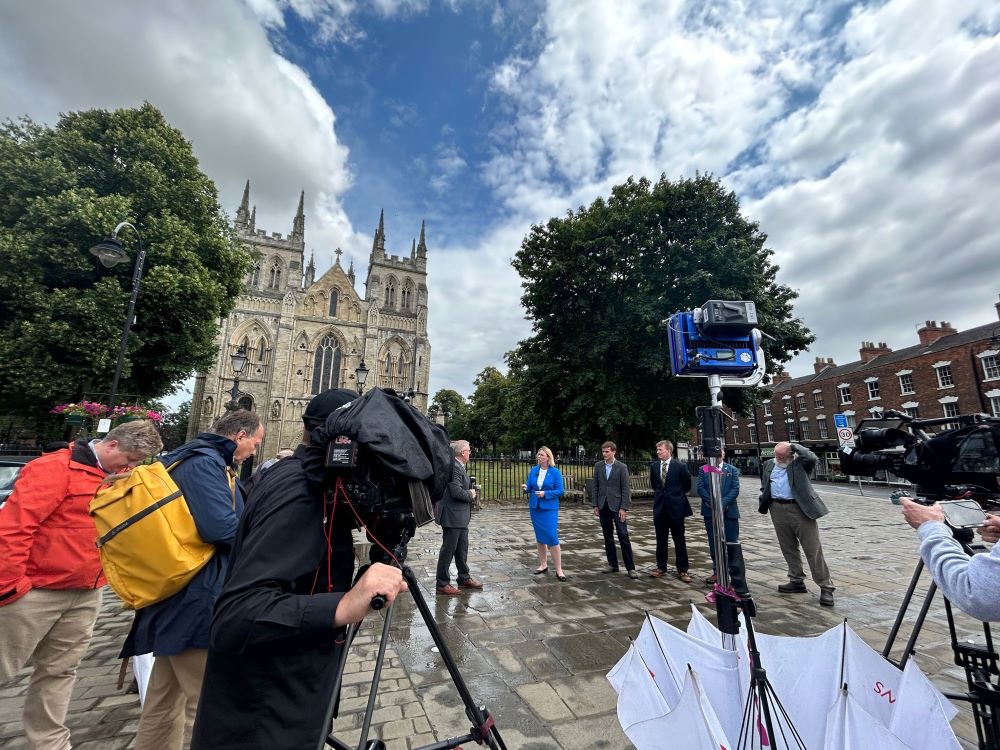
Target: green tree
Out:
[485,421]
[455,409]
[61,313]
[174,427]
[598,284]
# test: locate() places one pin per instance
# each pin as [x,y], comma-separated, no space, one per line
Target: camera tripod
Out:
[483,729]
[979,662]
[763,710]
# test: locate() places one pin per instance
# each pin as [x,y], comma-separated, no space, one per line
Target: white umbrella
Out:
[825,684]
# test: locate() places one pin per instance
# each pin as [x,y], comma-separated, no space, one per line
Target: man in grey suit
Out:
[454,512]
[611,500]
[794,506]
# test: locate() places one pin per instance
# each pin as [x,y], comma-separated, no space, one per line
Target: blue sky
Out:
[862,136]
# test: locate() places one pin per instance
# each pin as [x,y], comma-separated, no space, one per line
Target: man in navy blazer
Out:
[730,481]
[671,481]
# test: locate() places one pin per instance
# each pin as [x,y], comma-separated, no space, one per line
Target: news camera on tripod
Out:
[957,478]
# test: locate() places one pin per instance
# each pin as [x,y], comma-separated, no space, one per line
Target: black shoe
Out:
[562,579]
[826,597]
[794,587]
[543,571]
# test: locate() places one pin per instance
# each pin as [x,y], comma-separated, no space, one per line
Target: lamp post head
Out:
[109,251]
[362,374]
[239,359]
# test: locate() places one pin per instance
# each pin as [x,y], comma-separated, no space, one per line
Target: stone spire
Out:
[311,270]
[243,212]
[378,246]
[422,245]
[413,249]
[253,220]
[350,272]
[299,224]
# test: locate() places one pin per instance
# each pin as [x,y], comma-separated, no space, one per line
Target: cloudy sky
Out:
[864,137]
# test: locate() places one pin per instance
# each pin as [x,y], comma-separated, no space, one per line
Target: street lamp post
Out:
[789,418]
[362,375]
[110,252]
[239,361]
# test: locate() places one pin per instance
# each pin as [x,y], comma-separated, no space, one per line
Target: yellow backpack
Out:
[146,536]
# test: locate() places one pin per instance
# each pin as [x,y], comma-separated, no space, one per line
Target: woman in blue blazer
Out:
[544,488]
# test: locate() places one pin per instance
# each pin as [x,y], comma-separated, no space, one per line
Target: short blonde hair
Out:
[548,452]
[138,437]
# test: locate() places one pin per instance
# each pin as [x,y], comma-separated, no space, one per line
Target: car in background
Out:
[9,469]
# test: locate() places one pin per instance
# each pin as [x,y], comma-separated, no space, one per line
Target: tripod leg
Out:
[902,609]
[918,624]
[373,694]
[482,721]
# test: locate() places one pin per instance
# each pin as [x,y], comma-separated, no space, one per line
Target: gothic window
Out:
[255,275]
[274,275]
[326,365]
[406,297]
[390,292]
[261,350]
[334,298]
[387,371]
[276,410]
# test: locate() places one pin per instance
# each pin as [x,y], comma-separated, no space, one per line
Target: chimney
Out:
[821,364]
[931,331]
[780,377]
[870,350]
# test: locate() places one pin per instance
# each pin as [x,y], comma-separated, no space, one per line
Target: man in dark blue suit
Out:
[730,509]
[671,481]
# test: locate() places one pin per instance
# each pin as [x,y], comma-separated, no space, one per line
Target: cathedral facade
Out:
[303,335]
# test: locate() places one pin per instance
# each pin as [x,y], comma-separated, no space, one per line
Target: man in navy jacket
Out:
[671,481]
[730,481]
[176,630]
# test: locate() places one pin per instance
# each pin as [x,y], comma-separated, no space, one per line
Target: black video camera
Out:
[387,456]
[957,462]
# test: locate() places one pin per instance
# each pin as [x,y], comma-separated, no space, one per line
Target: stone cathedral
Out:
[304,335]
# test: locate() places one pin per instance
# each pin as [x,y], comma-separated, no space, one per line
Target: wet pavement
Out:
[535,651]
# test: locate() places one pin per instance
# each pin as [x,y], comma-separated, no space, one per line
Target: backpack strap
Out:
[231,478]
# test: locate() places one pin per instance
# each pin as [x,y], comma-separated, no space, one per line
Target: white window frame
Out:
[840,393]
[873,390]
[818,399]
[942,370]
[908,374]
[767,408]
[993,365]
[822,428]
[769,431]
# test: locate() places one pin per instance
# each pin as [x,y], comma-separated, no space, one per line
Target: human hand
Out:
[621,515]
[356,603]
[596,511]
[540,493]
[990,531]
[916,514]
[524,488]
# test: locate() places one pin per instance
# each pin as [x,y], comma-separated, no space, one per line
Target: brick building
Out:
[949,372]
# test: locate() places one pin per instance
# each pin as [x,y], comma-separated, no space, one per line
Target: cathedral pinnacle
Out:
[378,245]
[243,212]
[422,245]
[299,224]
[253,219]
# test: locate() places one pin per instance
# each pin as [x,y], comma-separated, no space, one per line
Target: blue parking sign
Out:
[839,420]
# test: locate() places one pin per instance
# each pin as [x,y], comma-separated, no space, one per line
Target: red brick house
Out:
[949,372]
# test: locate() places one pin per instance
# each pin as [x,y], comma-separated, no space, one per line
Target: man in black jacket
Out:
[279,624]
[454,513]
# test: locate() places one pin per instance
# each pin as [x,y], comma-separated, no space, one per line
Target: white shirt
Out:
[541,477]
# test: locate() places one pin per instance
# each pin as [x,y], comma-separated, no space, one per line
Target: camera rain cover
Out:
[396,437]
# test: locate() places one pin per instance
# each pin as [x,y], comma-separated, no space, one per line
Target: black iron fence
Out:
[501,478]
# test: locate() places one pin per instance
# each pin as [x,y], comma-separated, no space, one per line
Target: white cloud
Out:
[875,164]
[248,112]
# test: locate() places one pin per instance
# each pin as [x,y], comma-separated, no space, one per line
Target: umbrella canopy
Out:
[823,686]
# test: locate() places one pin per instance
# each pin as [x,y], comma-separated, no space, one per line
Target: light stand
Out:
[239,362]
[110,252]
[362,375]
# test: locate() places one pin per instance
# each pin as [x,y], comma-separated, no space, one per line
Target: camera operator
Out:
[971,583]
[279,623]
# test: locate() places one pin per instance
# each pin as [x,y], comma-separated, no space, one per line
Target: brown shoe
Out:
[448,590]
[684,576]
[657,573]
[470,583]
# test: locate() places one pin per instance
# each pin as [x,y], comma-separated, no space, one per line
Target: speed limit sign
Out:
[846,435]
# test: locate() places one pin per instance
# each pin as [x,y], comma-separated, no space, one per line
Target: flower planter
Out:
[74,420]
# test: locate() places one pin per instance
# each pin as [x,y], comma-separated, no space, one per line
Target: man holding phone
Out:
[971,583]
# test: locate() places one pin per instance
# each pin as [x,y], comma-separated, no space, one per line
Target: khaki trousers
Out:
[793,527]
[50,629]
[171,701]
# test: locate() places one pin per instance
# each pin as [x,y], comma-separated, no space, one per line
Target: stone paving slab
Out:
[535,651]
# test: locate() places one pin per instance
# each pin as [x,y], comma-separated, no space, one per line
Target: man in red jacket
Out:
[50,571]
